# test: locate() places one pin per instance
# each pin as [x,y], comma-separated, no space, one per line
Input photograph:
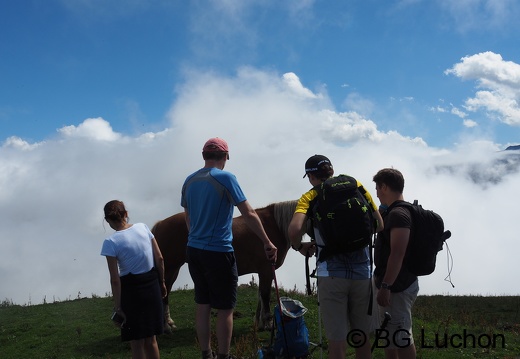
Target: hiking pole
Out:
[320,343]
[308,276]
[280,310]
[388,317]
[319,324]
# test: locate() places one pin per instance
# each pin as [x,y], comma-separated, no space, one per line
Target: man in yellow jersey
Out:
[344,279]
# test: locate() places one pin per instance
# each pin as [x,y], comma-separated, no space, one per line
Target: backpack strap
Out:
[399,203]
[371,303]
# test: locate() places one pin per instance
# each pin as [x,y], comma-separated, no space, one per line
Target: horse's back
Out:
[172,237]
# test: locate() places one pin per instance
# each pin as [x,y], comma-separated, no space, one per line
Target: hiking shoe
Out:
[228,356]
[209,355]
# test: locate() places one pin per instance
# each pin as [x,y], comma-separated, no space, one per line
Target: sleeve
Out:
[183,198]
[236,193]
[108,249]
[399,217]
[367,196]
[303,204]
[149,232]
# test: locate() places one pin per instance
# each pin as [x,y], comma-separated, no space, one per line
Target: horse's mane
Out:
[283,212]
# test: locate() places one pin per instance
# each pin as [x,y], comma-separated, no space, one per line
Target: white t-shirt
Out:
[133,249]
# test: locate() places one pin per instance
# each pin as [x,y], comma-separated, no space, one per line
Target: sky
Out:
[114,99]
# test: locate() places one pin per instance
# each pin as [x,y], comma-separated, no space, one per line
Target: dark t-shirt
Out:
[398,217]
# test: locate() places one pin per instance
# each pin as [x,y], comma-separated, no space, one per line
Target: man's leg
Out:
[402,353]
[391,353]
[333,305]
[224,330]
[203,326]
[360,322]
[337,349]
[400,326]
[364,351]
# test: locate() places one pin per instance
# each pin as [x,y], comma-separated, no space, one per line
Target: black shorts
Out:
[215,277]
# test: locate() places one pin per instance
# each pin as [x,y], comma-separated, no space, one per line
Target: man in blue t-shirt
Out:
[208,197]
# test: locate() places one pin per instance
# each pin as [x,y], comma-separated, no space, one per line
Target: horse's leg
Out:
[169,324]
[263,310]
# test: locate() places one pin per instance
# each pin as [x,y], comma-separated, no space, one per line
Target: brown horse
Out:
[172,236]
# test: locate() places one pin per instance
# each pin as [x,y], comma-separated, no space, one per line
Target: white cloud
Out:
[469,123]
[18,143]
[356,102]
[490,70]
[476,15]
[438,109]
[293,82]
[403,99]
[499,82]
[507,109]
[457,112]
[94,128]
[52,193]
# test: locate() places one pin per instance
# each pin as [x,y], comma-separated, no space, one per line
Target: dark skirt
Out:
[141,301]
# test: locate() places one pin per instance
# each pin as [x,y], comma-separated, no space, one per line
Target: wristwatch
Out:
[385,286]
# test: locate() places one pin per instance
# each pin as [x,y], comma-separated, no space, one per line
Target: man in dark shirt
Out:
[397,287]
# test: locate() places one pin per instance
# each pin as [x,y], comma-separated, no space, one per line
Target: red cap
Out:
[215,145]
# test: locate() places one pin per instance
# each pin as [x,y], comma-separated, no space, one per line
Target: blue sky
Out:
[65,61]
[113,99]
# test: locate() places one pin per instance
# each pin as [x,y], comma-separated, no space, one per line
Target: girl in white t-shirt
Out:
[136,269]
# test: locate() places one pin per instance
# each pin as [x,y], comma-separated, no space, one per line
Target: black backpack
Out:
[343,216]
[427,237]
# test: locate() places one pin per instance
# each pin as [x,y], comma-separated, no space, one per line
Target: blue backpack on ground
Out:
[292,336]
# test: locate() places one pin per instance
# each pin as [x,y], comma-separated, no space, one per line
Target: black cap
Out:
[315,163]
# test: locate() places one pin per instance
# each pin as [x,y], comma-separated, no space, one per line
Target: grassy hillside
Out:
[444,327]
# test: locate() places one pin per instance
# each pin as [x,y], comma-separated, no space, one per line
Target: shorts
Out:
[215,277]
[399,328]
[344,306]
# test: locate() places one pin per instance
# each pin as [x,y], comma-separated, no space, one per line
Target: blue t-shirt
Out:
[210,195]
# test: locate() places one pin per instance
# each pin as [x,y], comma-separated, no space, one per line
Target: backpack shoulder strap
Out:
[400,203]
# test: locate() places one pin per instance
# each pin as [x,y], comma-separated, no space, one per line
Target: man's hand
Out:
[308,248]
[164,291]
[270,251]
[383,297]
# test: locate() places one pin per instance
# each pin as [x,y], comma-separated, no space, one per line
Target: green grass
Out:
[82,328]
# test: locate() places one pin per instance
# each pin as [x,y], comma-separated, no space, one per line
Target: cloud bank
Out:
[498,82]
[52,192]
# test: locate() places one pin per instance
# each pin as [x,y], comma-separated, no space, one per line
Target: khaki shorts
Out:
[399,328]
[344,306]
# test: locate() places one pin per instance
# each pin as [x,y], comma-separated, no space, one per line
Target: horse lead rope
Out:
[280,309]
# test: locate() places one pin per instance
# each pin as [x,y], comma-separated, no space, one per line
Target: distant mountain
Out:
[491,170]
